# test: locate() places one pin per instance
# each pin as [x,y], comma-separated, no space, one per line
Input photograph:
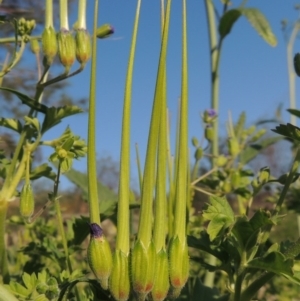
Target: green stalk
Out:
[124,185]
[214,65]
[138,162]
[3,255]
[215,50]
[181,178]
[63,13]
[81,14]
[159,233]
[91,153]
[49,14]
[145,224]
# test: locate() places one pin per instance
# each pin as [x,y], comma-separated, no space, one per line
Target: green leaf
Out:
[294,112]
[10,123]
[220,215]
[239,127]
[203,243]
[227,21]
[108,199]
[55,115]
[260,24]
[5,294]
[275,262]
[32,121]
[251,151]
[43,170]
[27,100]
[29,280]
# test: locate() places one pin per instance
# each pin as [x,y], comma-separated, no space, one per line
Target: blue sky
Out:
[253,75]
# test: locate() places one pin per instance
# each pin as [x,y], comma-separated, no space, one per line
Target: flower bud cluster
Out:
[25,28]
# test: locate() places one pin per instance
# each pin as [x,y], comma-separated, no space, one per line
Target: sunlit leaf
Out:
[220,215]
[10,123]
[43,170]
[260,24]
[55,115]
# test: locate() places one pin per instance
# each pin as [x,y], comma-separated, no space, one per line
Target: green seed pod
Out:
[99,255]
[104,31]
[161,284]
[49,44]
[66,48]
[233,146]
[26,201]
[199,153]
[83,46]
[209,133]
[119,283]
[195,141]
[179,265]
[297,63]
[34,46]
[143,269]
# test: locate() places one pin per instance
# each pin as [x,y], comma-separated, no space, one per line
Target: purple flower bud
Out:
[209,115]
[95,230]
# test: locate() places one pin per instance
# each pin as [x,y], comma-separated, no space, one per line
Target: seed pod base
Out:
[119,283]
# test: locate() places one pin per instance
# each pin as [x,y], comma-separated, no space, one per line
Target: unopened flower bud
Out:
[119,283]
[161,284]
[233,146]
[195,141]
[26,201]
[99,255]
[104,31]
[235,179]
[264,175]
[209,116]
[199,153]
[221,160]
[83,46]
[49,44]
[34,46]
[227,187]
[179,265]
[209,133]
[143,268]
[66,48]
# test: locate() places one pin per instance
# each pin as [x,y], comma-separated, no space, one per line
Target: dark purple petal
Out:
[96,230]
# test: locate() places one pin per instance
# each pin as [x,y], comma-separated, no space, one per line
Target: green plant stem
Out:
[63,13]
[288,182]
[49,14]
[13,39]
[3,256]
[291,72]
[214,63]
[124,185]
[253,288]
[81,14]
[91,153]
